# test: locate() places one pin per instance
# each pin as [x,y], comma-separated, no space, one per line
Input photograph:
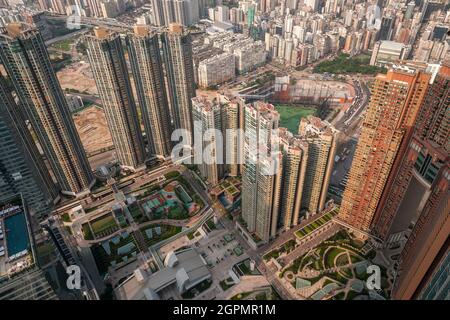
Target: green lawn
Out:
[330,255]
[172,175]
[344,64]
[63,45]
[166,232]
[290,115]
[272,254]
[103,260]
[314,225]
[177,213]
[241,296]
[211,225]
[65,217]
[106,224]
[87,232]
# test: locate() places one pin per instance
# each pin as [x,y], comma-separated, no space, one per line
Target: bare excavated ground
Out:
[77,76]
[93,129]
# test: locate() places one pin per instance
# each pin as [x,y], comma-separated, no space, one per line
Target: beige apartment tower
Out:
[107,59]
[148,74]
[177,51]
[208,134]
[321,139]
[224,115]
[25,57]
[295,159]
[233,119]
[261,178]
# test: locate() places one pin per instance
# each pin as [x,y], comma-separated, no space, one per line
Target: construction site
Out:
[93,130]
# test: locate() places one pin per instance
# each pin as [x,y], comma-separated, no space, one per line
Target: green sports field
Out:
[291,115]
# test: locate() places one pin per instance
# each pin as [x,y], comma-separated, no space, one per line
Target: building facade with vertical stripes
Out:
[147,68]
[25,57]
[391,114]
[107,60]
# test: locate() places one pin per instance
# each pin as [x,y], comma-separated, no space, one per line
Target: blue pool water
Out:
[16,233]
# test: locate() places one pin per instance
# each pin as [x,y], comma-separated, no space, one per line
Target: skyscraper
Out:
[261,178]
[148,74]
[420,197]
[321,139]
[107,59]
[221,154]
[22,169]
[26,60]
[184,12]
[295,159]
[233,118]
[396,98]
[177,50]
[158,12]
[208,134]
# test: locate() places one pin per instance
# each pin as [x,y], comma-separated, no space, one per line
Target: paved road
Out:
[66,36]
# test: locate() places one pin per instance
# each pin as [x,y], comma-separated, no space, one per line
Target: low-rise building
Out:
[183,270]
[385,52]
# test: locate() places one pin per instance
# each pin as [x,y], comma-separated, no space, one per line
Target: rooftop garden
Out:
[104,226]
[117,250]
[243,268]
[341,259]
[226,283]
[156,233]
[310,227]
[286,247]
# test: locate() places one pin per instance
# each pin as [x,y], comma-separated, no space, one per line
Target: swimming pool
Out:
[16,234]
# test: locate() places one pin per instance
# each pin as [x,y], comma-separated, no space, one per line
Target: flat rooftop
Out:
[184,268]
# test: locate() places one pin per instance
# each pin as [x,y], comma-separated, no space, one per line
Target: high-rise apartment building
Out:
[295,159]
[221,155]
[209,130]
[107,59]
[184,12]
[233,118]
[95,9]
[262,170]
[27,62]
[22,169]
[158,12]
[177,50]
[419,196]
[148,74]
[422,164]
[321,138]
[394,104]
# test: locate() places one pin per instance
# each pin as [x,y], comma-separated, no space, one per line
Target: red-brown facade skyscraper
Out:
[420,194]
[395,101]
